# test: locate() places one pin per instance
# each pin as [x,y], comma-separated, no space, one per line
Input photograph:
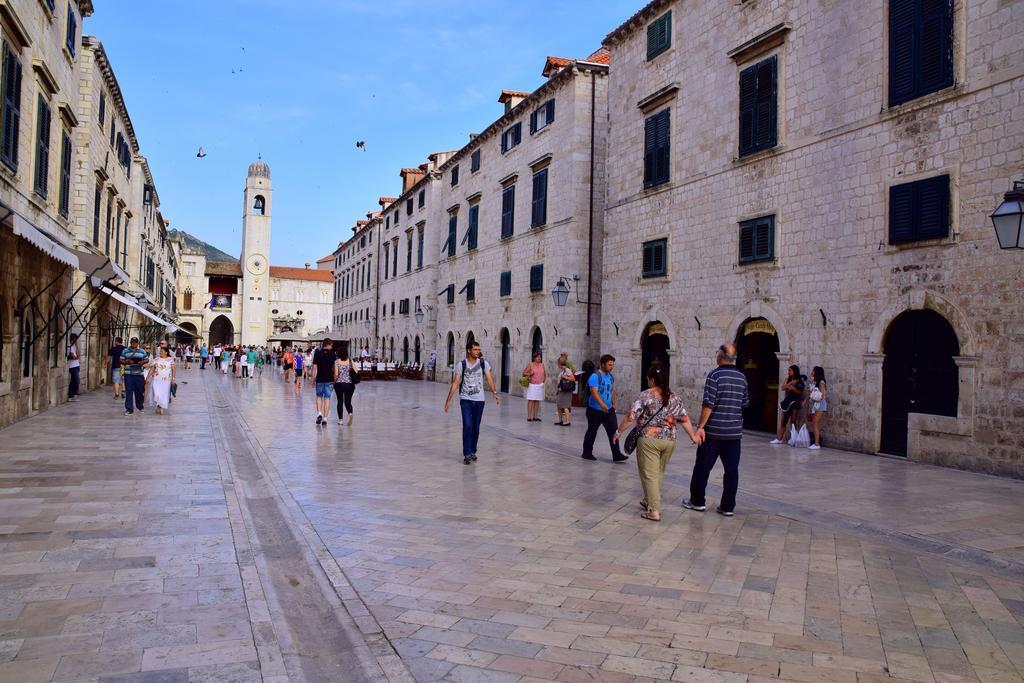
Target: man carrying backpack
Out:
[468,379]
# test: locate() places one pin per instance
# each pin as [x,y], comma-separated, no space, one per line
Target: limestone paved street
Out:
[233,540]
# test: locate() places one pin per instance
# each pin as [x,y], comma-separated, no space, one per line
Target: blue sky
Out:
[310,79]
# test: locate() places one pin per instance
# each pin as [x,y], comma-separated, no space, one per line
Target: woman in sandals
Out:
[656,413]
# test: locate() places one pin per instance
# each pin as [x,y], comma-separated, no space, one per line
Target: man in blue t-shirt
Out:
[601,409]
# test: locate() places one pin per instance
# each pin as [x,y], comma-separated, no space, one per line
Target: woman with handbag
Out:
[162,374]
[345,380]
[656,413]
[818,404]
[566,388]
[535,374]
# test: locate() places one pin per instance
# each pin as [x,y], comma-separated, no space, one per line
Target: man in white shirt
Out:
[74,368]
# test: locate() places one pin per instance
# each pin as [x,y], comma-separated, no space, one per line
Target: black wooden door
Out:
[505,360]
[919,374]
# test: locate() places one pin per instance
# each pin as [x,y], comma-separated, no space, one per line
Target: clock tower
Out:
[255,323]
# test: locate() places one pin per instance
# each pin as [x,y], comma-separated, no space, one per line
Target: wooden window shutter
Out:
[550,106]
[748,108]
[936,71]
[43,147]
[11,108]
[474,222]
[650,150]
[508,211]
[533,121]
[451,294]
[767,108]
[453,224]
[539,214]
[506,283]
[764,239]
[902,213]
[654,258]
[662,156]
[659,35]
[537,277]
[746,241]
[919,210]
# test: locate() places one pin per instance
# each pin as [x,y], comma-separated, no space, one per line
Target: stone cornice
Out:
[107,71]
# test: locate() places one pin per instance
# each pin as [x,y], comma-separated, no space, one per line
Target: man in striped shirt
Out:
[721,426]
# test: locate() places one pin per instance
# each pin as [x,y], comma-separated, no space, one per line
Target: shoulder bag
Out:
[630,444]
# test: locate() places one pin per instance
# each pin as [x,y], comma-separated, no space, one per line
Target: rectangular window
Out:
[757,239]
[450,293]
[64,202]
[508,211]
[387,222]
[539,213]
[419,248]
[386,260]
[657,143]
[117,235]
[537,277]
[113,131]
[394,257]
[654,264]
[659,35]
[421,199]
[408,250]
[103,109]
[72,32]
[471,231]
[408,206]
[511,137]
[470,289]
[11,108]
[542,116]
[455,175]
[42,176]
[453,225]
[505,284]
[920,48]
[919,210]
[758,106]
[474,161]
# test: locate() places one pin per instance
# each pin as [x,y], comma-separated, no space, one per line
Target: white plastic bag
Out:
[803,438]
[792,435]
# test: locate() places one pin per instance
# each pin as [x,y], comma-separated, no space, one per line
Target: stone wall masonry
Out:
[840,149]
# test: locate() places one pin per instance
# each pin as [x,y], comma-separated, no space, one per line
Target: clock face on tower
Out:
[256,264]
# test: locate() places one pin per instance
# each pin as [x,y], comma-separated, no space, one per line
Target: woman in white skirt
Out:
[534,372]
[162,373]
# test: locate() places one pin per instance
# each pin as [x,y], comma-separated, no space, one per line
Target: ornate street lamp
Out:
[560,292]
[419,315]
[366,324]
[1008,219]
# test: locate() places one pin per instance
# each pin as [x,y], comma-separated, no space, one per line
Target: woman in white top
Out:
[162,373]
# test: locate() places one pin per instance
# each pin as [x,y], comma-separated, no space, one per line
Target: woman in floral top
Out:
[658,411]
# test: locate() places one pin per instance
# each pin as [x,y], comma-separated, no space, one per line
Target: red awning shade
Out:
[223,285]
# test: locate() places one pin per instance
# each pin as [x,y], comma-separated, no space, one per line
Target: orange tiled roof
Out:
[554,64]
[509,94]
[602,56]
[290,273]
[384,201]
[412,170]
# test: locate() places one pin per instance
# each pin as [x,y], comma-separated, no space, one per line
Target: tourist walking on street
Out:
[134,360]
[566,389]
[345,377]
[720,428]
[323,375]
[656,413]
[162,374]
[817,404]
[74,368]
[299,362]
[307,365]
[601,409]
[225,359]
[204,355]
[113,362]
[792,401]
[468,377]
[288,360]
[218,356]
[535,373]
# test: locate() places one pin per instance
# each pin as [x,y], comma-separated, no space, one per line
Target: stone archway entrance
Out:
[654,348]
[405,350]
[506,358]
[417,349]
[536,342]
[222,331]
[757,346]
[187,334]
[919,374]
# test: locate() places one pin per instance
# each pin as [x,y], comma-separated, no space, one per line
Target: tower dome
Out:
[259,169]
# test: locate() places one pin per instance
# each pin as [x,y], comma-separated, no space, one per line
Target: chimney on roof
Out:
[410,176]
[473,136]
[510,98]
[307,265]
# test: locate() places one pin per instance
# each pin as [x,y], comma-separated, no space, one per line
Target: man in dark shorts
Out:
[323,375]
[114,363]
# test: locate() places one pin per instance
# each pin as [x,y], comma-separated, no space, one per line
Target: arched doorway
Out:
[417,349]
[757,344]
[654,346]
[187,334]
[919,374]
[506,358]
[536,342]
[405,350]
[222,331]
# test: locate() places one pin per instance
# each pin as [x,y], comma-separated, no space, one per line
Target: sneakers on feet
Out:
[473,457]
[467,460]
[127,412]
[340,421]
[689,505]
[814,447]
[319,419]
[722,512]
[588,457]
[776,442]
[620,458]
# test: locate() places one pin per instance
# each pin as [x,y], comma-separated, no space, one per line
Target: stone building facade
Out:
[356,283]
[818,191]
[520,210]
[39,75]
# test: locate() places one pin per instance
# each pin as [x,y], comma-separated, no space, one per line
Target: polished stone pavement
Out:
[165,548]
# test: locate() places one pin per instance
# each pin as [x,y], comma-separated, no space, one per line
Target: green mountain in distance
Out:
[193,243]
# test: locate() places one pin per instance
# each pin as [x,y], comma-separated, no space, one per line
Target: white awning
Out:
[43,241]
[128,301]
[99,266]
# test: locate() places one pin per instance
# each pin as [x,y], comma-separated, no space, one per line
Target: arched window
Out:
[187,300]
[259,205]
[300,295]
[451,349]
[27,329]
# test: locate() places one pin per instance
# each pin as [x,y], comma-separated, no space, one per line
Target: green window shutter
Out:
[474,161]
[65,175]
[919,210]
[42,175]
[746,242]
[550,105]
[506,283]
[474,221]
[757,240]
[654,258]
[533,122]
[920,48]
[453,224]
[419,248]
[659,35]
[11,108]
[455,175]
[72,30]
[537,277]
[759,106]
[657,146]
[471,289]
[539,214]
[451,294]
[508,211]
